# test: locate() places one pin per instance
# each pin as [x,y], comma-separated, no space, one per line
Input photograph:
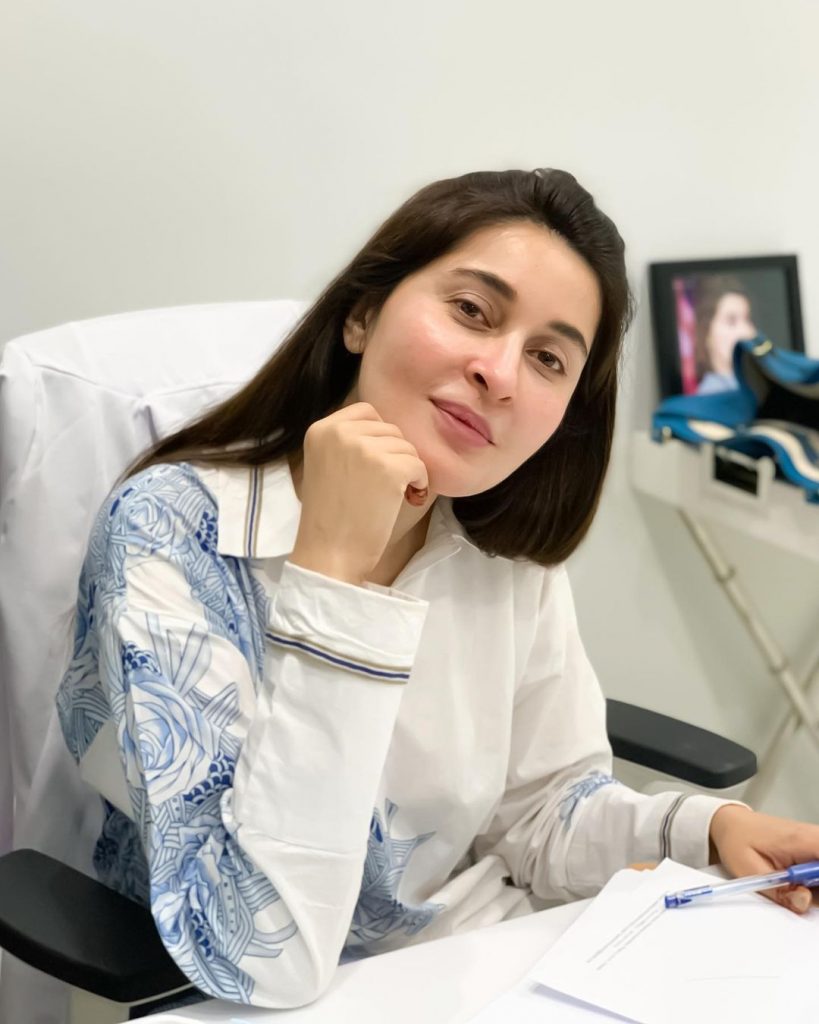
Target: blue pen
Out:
[799,874]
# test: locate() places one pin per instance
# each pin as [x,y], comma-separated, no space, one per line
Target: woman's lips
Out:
[457,430]
[466,415]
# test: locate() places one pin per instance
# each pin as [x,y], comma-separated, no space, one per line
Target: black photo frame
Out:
[698,305]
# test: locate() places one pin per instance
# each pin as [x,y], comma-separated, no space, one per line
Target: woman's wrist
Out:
[326,564]
[721,821]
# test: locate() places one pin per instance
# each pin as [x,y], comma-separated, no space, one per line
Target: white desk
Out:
[442,982]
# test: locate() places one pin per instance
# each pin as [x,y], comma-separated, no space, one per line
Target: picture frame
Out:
[701,308]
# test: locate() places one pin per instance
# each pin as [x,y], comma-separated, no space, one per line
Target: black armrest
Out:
[78,930]
[685,751]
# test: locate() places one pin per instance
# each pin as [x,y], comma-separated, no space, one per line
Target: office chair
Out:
[77,404]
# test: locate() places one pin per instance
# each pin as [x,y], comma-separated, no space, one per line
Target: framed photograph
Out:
[702,308]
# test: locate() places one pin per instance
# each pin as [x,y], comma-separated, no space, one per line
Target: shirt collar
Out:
[259,512]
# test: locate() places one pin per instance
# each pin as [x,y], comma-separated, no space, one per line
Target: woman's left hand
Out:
[746,842]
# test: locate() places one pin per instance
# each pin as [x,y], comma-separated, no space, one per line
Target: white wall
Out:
[156,154]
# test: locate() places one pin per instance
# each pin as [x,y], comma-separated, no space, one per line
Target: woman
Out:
[328,633]
[724,317]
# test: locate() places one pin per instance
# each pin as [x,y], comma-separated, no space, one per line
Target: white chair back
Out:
[77,404]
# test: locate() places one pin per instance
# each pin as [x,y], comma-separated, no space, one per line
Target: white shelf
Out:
[683,476]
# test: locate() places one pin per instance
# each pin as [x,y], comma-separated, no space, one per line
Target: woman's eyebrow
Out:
[506,291]
[503,288]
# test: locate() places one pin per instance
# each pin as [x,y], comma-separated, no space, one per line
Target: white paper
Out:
[739,958]
[530,1003]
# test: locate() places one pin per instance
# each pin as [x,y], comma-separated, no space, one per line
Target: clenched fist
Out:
[357,470]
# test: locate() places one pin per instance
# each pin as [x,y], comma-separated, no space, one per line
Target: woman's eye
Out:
[550,361]
[470,309]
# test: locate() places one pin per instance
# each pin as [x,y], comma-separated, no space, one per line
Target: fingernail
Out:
[800,901]
[416,495]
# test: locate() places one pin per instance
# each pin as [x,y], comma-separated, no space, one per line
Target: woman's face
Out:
[731,323]
[501,327]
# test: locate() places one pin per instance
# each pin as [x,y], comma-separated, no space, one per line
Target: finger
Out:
[356,411]
[643,865]
[369,428]
[416,496]
[797,898]
[412,468]
[395,446]
[801,899]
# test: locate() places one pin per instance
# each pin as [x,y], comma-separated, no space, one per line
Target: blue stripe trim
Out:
[665,827]
[251,520]
[343,662]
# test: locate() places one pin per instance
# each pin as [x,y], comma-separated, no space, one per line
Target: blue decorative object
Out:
[773,411]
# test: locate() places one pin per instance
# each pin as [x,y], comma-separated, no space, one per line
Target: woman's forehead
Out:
[534,265]
[509,239]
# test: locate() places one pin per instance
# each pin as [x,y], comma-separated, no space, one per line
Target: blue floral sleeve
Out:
[169,648]
[248,852]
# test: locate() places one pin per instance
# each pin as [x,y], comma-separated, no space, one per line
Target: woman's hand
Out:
[749,843]
[356,472]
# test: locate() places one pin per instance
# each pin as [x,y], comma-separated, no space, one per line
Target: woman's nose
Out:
[496,365]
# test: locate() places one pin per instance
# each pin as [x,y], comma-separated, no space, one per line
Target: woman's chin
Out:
[445,485]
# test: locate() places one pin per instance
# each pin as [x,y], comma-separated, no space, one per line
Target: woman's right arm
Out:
[253,799]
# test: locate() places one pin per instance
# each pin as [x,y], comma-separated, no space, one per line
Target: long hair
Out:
[544,508]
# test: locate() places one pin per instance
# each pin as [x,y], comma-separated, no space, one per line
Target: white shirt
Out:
[262,734]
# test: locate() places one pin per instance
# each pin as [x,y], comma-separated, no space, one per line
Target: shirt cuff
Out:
[686,828]
[369,630]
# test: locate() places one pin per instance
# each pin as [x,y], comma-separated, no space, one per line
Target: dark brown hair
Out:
[710,290]
[544,508]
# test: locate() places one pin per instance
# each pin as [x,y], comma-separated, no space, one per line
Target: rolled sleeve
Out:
[314,754]
[371,631]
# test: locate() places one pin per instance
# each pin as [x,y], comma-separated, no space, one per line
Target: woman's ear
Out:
[356,330]
[354,334]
